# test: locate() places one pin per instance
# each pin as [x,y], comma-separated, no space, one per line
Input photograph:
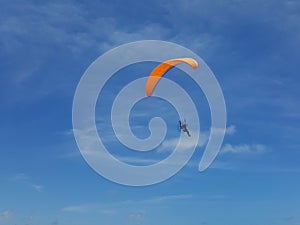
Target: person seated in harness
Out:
[183,127]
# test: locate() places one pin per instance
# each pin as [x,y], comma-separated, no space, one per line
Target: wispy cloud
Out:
[6,215]
[244,148]
[160,199]
[113,207]
[167,145]
[38,188]
[26,180]
[76,30]
[20,177]
[170,144]
[136,217]
[78,208]
[230,130]
[219,165]
[241,148]
[292,220]
[108,212]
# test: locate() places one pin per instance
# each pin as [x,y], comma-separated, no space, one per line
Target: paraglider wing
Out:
[161,70]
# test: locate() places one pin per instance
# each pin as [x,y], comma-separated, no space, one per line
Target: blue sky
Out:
[252,48]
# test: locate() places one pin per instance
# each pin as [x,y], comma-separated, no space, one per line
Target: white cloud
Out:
[69,25]
[136,217]
[108,212]
[231,130]
[77,208]
[160,199]
[20,177]
[25,180]
[244,148]
[103,208]
[38,188]
[170,144]
[112,207]
[6,215]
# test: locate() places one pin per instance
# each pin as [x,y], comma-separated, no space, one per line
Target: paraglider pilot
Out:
[183,127]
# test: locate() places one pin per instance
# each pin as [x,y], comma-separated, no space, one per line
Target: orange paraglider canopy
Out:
[162,68]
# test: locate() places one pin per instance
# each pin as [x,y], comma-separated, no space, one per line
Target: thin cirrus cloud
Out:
[40,22]
[111,208]
[24,179]
[244,148]
[38,188]
[6,215]
[136,217]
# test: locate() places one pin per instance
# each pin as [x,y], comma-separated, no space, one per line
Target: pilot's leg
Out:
[188,133]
